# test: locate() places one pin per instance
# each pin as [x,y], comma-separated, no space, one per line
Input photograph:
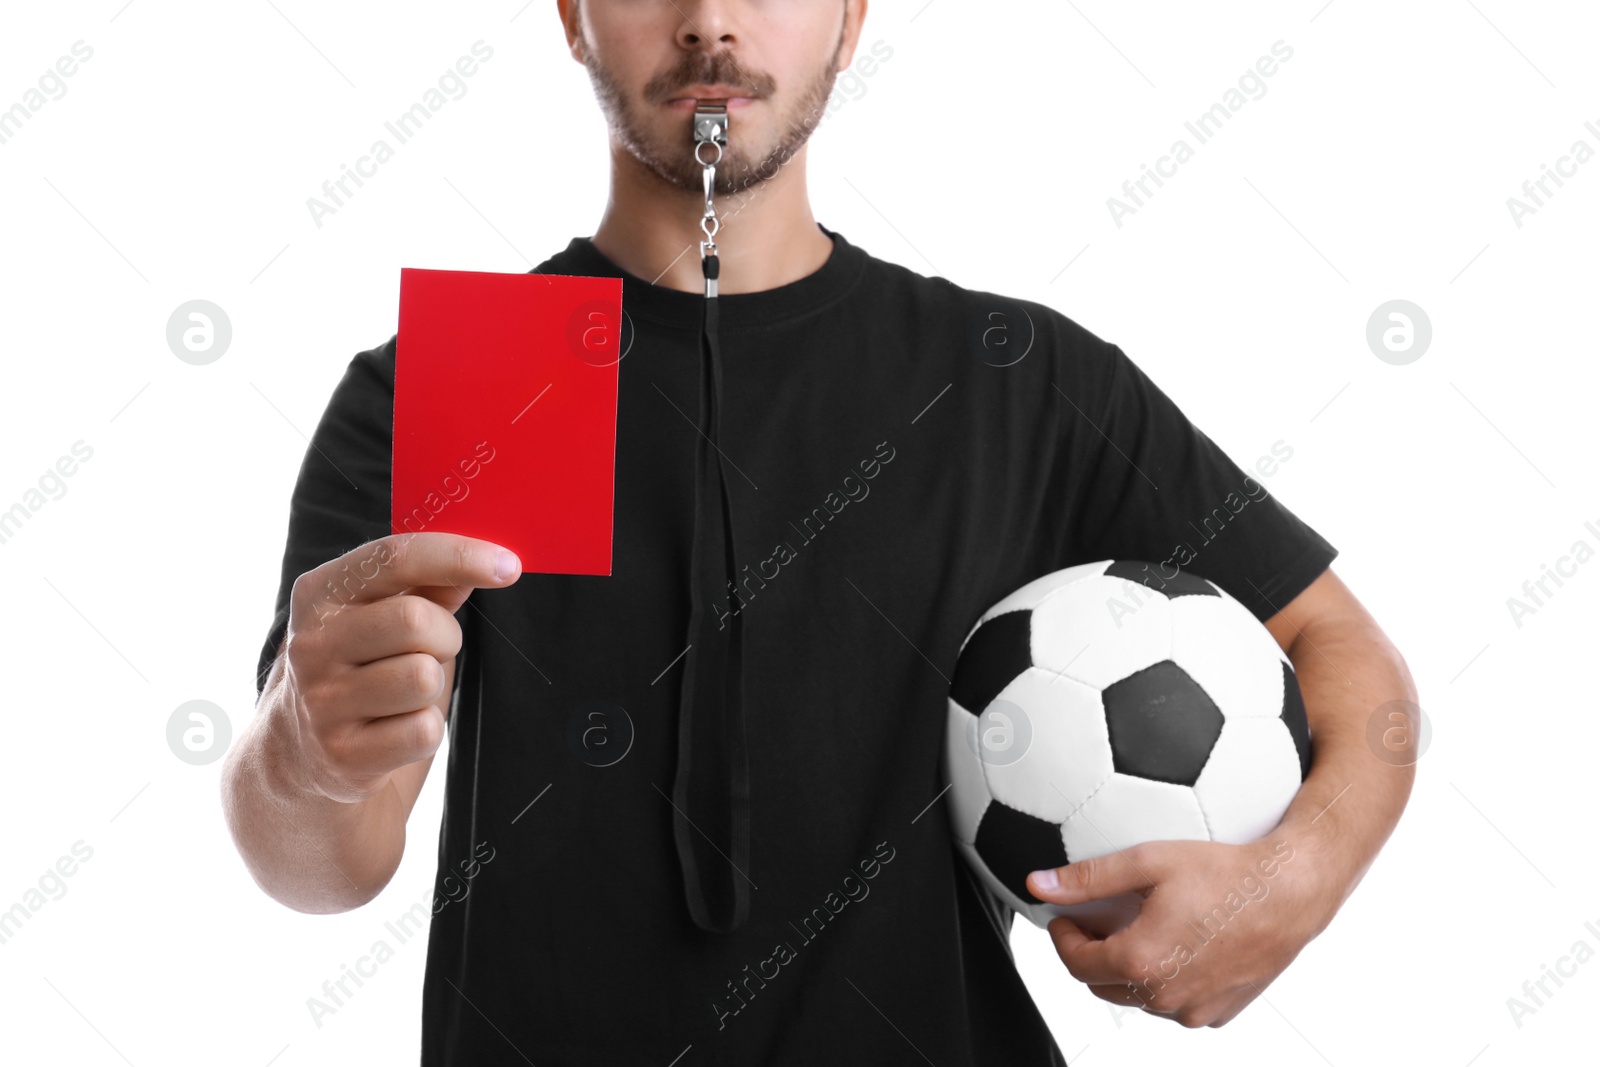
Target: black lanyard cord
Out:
[711,789]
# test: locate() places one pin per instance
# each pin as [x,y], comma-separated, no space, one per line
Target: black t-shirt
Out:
[908,453]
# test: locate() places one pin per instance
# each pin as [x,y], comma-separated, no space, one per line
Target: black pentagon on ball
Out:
[1011,843]
[1134,570]
[1294,717]
[994,655]
[1162,724]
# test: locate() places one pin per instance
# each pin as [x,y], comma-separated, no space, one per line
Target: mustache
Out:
[700,68]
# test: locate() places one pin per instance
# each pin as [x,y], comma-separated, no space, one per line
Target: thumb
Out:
[1124,871]
[452,597]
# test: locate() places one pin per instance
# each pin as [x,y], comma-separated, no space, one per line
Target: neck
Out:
[767,236]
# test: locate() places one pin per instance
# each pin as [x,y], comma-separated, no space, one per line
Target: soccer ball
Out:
[1102,706]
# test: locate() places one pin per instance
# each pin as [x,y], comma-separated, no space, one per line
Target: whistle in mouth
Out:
[711,122]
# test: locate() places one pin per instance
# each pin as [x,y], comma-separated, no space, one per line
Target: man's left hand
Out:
[1218,923]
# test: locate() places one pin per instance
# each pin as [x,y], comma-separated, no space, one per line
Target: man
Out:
[896,454]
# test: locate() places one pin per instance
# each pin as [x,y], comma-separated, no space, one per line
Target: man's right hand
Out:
[370,635]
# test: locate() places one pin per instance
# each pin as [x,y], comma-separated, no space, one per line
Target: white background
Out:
[1376,167]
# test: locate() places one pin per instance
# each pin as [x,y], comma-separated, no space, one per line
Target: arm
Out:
[1347,668]
[356,674]
[1303,871]
[307,851]
[351,711]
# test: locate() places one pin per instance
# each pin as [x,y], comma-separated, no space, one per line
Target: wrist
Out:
[1315,874]
[280,760]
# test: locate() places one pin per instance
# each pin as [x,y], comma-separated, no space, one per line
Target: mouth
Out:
[722,94]
[689,103]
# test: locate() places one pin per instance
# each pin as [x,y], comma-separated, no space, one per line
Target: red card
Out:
[505,413]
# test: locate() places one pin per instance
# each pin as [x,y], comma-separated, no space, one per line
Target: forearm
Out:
[1352,799]
[308,852]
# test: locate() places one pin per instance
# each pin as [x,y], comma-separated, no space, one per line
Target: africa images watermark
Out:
[811,526]
[344,589]
[336,191]
[453,488]
[851,83]
[1566,167]
[51,885]
[1566,567]
[1252,889]
[1203,128]
[1566,967]
[51,486]
[51,82]
[811,927]
[402,929]
[1210,528]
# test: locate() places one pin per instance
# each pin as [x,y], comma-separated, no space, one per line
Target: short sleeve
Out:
[341,496]
[1147,484]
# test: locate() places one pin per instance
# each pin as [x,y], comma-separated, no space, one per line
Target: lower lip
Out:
[735,103]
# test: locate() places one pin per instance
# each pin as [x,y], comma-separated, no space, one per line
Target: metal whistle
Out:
[711,122]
